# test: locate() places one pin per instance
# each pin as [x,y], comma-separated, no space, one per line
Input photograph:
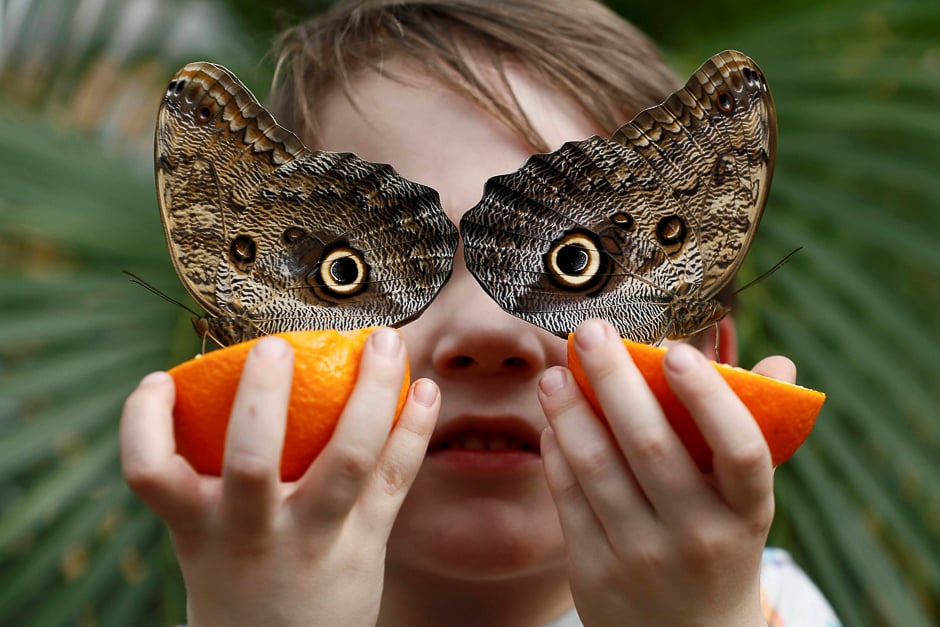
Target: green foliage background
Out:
[856,84]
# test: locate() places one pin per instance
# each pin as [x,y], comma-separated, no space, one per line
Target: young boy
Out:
[498,499]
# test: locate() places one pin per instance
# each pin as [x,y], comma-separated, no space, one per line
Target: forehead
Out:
[435,136]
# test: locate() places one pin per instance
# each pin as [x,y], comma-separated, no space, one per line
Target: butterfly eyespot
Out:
[623,220]
[572,259]
[242,251]
[575,261]
[293,234]
[203,114]
[260,247]
[343,272]
[725,102]
[671,233]
[750,75]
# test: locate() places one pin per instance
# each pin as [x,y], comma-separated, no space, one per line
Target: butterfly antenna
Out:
[766,274]
[139,281]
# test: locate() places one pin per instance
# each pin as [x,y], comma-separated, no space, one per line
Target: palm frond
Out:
[77,206]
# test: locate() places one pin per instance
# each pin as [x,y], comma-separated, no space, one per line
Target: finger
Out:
[665,472]
[401,458]
[161,478]
[777,367]
[255,436]
[741,458]
[334,481]
[574,510]
[591,456]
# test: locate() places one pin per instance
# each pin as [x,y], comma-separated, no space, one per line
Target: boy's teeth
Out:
[497,443]
[474,443]
[485,442]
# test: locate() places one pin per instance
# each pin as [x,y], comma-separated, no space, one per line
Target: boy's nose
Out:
[489,349]
[476,336]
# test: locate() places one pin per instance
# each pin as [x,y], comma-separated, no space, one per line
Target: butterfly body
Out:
[643,229]
[269,236]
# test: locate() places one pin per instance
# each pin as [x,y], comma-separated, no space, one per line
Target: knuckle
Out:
[247,542]
[651,447]
[594,462]
[143,480]
[568,490]
[382,370]
[608,576]
[393,476]
[750,458]
[709,387]
[703,549]
[650,557]
[703,389]
[385,378]
[247,469]
[565,402]
[361,563]
[759,521]
[354,462]
[601,570]
[606,370]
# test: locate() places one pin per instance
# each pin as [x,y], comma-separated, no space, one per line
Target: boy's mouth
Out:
[473,434]
[482,441]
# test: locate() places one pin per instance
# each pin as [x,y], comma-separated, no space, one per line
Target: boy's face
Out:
[480,507]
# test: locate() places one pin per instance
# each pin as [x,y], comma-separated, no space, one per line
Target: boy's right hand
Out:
[256,551]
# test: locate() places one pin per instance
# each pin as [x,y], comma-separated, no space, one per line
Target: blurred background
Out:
[856,83]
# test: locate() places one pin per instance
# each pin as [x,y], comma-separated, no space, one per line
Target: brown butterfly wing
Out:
[357,245]
[638,228]
[552,244]
[213,143]
[713,143]
[268,236]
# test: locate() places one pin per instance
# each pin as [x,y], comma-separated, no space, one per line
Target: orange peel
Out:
[784,412]
[326,366]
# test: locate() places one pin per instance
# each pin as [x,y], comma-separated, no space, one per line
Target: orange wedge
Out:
[784,412]
[326,365]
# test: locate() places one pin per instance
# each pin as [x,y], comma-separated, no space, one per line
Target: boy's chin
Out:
[478,540]
[471,562]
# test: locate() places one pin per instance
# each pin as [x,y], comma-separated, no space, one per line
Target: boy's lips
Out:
[486,443]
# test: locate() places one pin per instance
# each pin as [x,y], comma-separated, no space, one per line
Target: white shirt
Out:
[788,596]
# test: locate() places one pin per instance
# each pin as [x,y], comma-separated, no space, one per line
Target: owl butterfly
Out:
[268,236]
[643,229]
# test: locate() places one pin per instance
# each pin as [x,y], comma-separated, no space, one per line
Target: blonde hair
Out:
[604,64]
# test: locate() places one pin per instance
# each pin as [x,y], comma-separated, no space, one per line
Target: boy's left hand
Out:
[652,540]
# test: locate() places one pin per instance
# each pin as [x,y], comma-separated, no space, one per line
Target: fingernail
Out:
[553,380]
[387,342]
[155,378]
[590,334]
[683,358]
[272,347]
[425,392]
